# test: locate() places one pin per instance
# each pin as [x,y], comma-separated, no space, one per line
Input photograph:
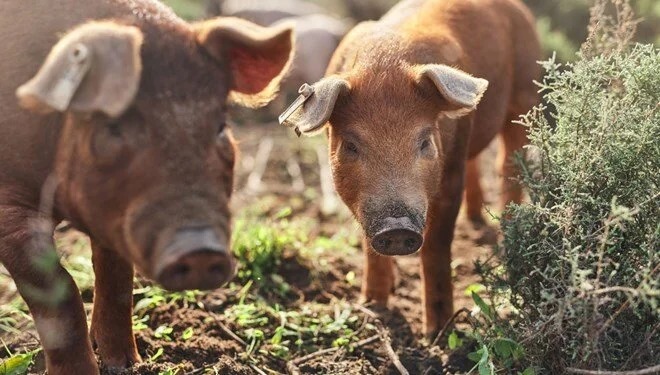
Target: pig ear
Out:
[258,57]
[461,91]
[310,117]
[95,67]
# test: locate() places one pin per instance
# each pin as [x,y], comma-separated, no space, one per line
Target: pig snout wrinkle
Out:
[195,259]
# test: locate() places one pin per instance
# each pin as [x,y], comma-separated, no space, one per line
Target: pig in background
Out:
[120,131]
[317,34]
[262,12]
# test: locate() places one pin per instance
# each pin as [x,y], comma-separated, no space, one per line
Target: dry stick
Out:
[450,321]
[292,366]
[257,369]
[229,332]
[260,163]
[651,370]
[385,338]
[367,311]
[297,181]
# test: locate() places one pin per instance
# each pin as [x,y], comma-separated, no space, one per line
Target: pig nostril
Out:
[217,269]
[383,243]
[410,243]
[181,270]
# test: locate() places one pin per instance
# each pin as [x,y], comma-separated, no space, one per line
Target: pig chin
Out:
[395,229]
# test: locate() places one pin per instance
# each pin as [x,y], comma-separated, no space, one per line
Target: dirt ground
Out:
[276,164]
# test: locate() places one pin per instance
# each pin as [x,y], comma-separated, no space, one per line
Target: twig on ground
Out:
[385,338]
[257,369]
[292,366]
[651,370]
[229,332]
[384,334]
[367,311]
[447,324]
[239,340]
[198,371]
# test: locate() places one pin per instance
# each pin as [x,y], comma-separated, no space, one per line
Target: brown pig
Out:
[121,132]
[400,104]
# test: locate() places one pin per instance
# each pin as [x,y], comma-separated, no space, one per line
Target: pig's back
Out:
[498,42]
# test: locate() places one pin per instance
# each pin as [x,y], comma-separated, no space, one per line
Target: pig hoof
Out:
[379,299]
[121,360]
[84,366]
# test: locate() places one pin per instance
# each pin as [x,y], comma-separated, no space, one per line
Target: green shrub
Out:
[582,262]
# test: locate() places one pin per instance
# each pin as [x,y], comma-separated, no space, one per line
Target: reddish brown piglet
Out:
[121,131]
[399,104]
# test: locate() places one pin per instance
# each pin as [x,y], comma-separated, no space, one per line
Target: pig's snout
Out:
[397,236]
[195,258]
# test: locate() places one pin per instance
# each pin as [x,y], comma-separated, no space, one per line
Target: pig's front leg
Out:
[437,293]
[378,279]
[112,328]
[49,292]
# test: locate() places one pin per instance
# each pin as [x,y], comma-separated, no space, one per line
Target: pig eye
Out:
[426,144]
[350,147]
[114,129]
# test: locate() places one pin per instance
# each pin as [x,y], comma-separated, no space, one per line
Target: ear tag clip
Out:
[305,92]
[64,90]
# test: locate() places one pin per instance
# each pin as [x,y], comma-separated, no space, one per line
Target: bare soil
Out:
[214,349]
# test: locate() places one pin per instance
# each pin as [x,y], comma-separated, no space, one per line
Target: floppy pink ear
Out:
[258,57]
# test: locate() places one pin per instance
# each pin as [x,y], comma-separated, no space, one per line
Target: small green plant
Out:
[495,350]
[259,247]
[158,354]
[140,323]
[164,332]
[281,333]
[150,297]
[14,316]
[187,334]
[17,364]
[171,371]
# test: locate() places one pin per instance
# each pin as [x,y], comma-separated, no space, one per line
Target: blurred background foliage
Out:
[562,24]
